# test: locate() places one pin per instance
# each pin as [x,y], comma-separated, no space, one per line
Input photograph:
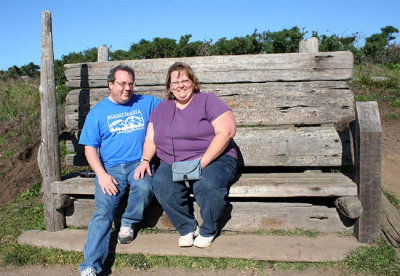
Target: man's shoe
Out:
[88,272]
[203,242]
[125,234]
[187,240]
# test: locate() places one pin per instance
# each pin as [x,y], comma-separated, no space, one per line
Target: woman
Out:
[191,125]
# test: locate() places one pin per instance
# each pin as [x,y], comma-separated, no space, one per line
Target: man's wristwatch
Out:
[141,160]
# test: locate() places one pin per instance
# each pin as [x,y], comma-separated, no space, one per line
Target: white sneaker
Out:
[125,234]
[88,272]
[202,242]
[187,240]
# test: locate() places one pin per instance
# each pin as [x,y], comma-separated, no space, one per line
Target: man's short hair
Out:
[111,75]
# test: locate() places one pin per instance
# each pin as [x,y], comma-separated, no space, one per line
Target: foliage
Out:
[285,41]
[377,44]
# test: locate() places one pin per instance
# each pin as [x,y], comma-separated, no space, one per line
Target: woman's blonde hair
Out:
[181,67]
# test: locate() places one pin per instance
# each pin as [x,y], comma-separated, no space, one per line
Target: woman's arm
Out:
[224,129]
[149,150]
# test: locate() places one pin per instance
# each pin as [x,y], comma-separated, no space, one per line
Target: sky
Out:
[79,25]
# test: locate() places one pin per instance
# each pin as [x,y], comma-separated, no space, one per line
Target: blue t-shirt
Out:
[118,130]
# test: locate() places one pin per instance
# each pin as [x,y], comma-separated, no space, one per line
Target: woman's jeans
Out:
[99,232]
[210,192]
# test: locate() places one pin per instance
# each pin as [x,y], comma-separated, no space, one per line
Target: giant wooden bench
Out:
[305,146]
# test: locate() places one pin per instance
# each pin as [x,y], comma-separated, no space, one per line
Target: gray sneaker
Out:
[125,234]
[88,272]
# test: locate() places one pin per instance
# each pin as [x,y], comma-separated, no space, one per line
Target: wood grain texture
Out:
[252,104]
[253,185]
[263,146]
[239,216]
[224,69]
[49,155]
[368,160]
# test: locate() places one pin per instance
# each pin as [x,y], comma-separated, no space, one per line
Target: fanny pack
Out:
[184,170]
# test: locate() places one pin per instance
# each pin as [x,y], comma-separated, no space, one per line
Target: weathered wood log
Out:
[306,103]
[102,54]
[349,206]
[368,163]
[239,216]
[390,222]
[61,201]
[263,146]
[48,156]
[309,45]
[224,69]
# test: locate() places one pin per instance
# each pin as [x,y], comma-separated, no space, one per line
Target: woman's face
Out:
[181,86]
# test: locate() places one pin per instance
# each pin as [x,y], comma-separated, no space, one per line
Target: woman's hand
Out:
[141,170]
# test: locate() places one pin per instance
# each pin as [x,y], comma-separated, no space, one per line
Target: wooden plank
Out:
[224,69]
[305,146]
[253,185]
[287,147]
[252,104]
[368,163]
[239,216]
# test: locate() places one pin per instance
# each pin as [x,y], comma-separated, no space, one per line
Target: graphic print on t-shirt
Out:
[125,122]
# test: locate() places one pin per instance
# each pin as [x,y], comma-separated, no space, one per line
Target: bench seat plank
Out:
[253,185]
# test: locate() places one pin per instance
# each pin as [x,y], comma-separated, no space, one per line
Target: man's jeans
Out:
[210,192]
[99,232]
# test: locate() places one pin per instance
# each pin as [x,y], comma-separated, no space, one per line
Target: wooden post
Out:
[368,163]
[48,156]
[102,54]
[309,45]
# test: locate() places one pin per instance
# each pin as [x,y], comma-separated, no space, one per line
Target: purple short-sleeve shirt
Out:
[191,127]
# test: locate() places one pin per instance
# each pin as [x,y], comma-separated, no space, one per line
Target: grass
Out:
[25,212]
[291,232]
[378,83]
[392,199]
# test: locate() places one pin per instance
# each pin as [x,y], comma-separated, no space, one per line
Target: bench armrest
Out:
[368,166]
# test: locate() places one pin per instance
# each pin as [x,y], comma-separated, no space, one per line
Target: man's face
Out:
[122,89]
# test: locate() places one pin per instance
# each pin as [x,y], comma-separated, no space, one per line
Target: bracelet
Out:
[141,160]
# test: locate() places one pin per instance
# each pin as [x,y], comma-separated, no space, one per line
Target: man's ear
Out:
[110,84]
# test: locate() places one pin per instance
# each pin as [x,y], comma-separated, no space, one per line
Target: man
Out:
[116,126]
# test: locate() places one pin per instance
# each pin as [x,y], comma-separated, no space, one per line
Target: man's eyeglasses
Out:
[124,84]
[183,82]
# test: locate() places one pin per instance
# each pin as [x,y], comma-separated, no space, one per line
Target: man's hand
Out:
[108,184]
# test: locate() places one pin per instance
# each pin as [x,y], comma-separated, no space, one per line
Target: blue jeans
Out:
[210,192]
[99,232]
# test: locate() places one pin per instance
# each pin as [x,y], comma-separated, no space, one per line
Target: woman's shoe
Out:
[187,240]
[203,242]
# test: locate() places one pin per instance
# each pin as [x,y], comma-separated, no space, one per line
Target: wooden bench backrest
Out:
[288,107]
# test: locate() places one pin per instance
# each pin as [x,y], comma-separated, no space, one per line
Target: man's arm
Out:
[106,181]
